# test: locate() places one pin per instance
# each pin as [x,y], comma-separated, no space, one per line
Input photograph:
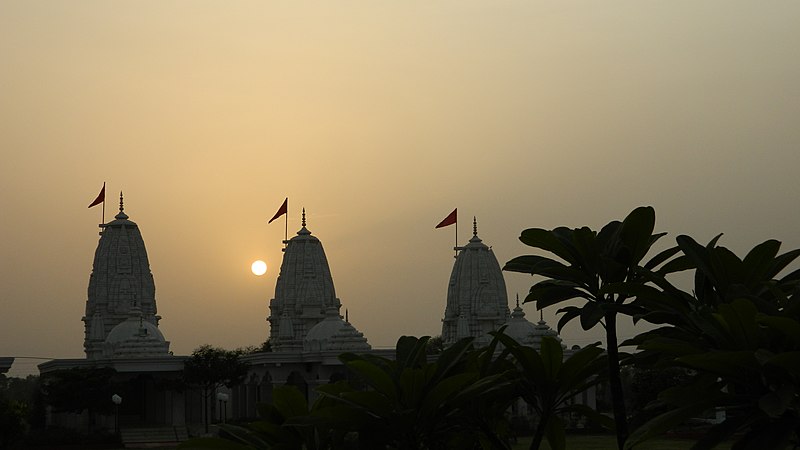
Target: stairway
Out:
[153,437]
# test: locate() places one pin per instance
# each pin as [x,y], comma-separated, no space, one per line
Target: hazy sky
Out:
[379,117]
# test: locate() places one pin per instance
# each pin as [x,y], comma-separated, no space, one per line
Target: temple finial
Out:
[541,315]
[346,315]
[121,207]
[474,226]
[517,300]
[304,217]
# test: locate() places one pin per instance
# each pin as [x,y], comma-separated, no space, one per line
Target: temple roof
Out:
[477,301]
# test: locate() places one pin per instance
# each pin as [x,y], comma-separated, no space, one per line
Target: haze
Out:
[379,118]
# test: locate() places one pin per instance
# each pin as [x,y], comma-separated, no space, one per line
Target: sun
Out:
[259,268]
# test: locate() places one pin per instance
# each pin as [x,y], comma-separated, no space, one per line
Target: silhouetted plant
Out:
[546,381]
[455,402]
[597,267]
[739,330]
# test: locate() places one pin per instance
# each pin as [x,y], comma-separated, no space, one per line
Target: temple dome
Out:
[521,329]
[541,330]
[526,333]
[303,292]
[135,338]
[334,333]
[120,277]
[477,301]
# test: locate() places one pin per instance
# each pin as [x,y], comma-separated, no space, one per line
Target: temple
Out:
[307,332]
[305,313]
[477,301]
[121,319]
[121,333]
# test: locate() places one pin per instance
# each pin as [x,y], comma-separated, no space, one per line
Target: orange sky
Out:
[379,117]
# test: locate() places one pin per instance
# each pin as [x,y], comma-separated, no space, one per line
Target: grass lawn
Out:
[581,442]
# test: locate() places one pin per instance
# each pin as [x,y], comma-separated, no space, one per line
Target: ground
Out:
[608,442]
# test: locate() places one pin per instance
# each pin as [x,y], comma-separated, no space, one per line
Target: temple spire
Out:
[121,205]
[474,226]
[517,300]
[303,223]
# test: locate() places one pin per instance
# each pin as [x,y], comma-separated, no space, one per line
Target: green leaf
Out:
[443,390]
[780,263]
[759,261]
[452,356]
[246,436]
[727,267]
[698,255]
[636,232]
[546,267]
[740,319]
[546,293]
[678,264]
[591,313]
[410,351]
[661,257]
[552,356]
[584,240]
[371,401]
[375,377]
[573,368]
[289,401]
[570,312]
[546,240]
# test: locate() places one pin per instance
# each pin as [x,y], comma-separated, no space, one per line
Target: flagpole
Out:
[103,220]
[286,227]
[455,247]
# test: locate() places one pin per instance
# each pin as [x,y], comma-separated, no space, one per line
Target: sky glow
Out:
[379,118]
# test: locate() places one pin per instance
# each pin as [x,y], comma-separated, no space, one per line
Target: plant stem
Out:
[536,443]
[614,379]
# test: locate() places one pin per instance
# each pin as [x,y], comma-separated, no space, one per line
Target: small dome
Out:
[134,327]
[348,339]
[521,329]
[525,332]
[542,330]
[135,338]
[334,333]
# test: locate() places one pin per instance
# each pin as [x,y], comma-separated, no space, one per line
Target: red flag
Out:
[101,197]
[449,220]
[281,211]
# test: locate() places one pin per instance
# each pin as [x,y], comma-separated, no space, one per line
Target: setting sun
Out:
[259,268]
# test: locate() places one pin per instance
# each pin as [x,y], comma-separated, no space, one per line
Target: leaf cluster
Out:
[739,331]
[547,381]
